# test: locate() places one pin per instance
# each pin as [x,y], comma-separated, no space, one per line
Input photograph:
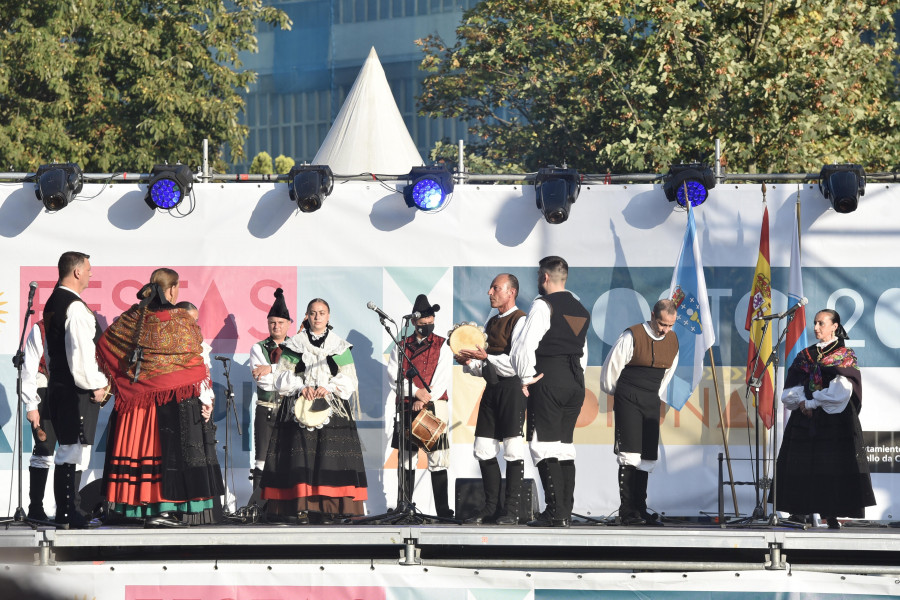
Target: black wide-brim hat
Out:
[424,307]
[279,307]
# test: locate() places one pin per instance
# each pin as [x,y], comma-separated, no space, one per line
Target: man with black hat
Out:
[76,386]
[549,357]
[263,355]
[432,358]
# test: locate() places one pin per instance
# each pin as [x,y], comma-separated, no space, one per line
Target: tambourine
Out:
[427,429]
[309,418]
[466,336]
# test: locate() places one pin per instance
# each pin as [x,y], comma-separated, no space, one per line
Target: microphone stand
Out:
[18,361]
[755,383]
[405,513]
[229,409]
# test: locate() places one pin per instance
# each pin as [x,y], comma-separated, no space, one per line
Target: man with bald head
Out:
[501,413]
[636,373]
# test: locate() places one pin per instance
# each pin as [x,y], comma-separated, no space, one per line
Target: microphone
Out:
[34,286]
[414,315]
[222,358]
[803,302]
[381,313]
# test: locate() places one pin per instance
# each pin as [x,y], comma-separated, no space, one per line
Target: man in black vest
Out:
[76,386]
[501,413]
[636,372]
[549,357]
[263,355]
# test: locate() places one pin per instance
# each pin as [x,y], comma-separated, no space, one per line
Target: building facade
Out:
[304,74]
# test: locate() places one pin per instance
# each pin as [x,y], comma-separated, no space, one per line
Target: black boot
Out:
[439,489]
[552,479]
[640,498]
[628,512]
[67,515]
[490,477]
[515,475]
[568,498]
[410,475]
[256,494]
[37,487]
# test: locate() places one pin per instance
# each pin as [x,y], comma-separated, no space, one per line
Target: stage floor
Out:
[676,546]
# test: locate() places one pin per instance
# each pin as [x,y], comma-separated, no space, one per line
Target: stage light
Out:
[309,185]
[169,184]
[843,185]
[58,184]
[555,190]
[429,188]
[693,179]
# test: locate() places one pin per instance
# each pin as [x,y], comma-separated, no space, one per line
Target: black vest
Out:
[569,322]
[55,325]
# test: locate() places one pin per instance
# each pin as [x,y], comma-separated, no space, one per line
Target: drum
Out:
[427,428]
[466,336]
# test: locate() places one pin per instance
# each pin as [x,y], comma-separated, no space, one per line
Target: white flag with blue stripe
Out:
[693,323]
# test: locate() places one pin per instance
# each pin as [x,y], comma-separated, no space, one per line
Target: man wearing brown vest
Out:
[501,413]
[636,372]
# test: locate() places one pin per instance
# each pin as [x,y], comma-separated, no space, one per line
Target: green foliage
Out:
[119,85]
[283,164]
[262,164]
[474,162]
[633,86]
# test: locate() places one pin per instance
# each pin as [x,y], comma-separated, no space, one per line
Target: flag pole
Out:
[712,364]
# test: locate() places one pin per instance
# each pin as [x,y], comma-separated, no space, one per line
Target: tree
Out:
[262,164]
[632,86]
[117,85]
[283,164]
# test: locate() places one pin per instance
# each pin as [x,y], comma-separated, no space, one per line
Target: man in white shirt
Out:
[263,355]
[34,394]
[550,356]
[501,412]
[76,386]
[636,372]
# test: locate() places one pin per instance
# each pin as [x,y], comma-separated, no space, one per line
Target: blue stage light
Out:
[169,184]
[430,188]
[694,179]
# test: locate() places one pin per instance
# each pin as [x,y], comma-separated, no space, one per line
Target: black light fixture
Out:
[169,184]
[689,182]
[309,185]
[843,185]
[58,184]
[555,189]
[429,188]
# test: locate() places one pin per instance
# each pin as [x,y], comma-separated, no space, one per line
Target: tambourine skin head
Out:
[466,336]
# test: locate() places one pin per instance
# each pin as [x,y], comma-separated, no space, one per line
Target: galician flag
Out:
[795,340]
[693,323]
[760,305]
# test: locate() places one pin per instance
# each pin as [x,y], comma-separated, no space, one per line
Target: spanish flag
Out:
[760,305]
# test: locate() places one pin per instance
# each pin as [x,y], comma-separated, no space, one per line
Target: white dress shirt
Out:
[621,354]
[537,324]
[501,362]
[32,378]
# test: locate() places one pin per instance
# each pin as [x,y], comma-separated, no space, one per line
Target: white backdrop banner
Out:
[242,240]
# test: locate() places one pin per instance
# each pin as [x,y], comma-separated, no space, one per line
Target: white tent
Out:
[369,135]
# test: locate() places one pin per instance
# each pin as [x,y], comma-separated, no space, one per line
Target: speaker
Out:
[470,498]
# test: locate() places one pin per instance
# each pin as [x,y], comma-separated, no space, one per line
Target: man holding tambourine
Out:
[501,412]
[431,356]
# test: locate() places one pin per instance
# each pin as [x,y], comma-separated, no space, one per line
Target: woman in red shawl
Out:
[161,463]
[822,465]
